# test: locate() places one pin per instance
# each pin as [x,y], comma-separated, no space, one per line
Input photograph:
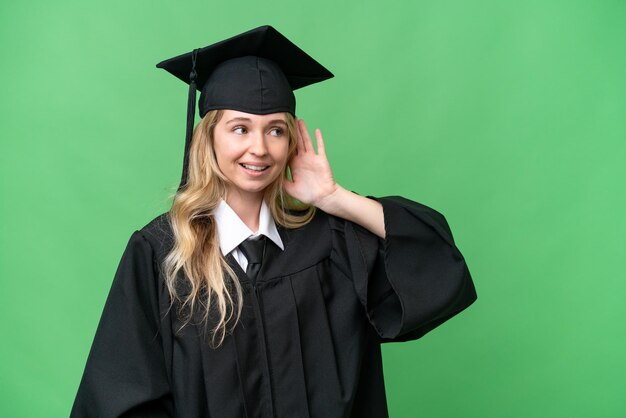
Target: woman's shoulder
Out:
[158,232]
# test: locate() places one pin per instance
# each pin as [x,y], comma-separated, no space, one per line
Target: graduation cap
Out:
[253,72]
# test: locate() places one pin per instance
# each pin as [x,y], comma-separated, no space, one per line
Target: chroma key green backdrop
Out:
[506,116]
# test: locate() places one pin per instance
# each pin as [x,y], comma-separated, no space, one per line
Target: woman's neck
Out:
[247,207]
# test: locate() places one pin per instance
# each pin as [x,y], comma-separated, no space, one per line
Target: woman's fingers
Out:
[321,150]
[301,147]
[307,142]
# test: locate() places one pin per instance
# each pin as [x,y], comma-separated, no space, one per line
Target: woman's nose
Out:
[258,146]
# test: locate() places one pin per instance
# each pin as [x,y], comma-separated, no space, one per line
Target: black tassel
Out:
[191,112]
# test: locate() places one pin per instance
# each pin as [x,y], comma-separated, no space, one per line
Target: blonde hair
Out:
[207,285]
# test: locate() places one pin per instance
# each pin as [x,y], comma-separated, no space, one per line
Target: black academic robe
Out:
[308,341]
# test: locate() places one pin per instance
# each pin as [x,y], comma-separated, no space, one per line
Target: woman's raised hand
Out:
[312,179]
[313,183]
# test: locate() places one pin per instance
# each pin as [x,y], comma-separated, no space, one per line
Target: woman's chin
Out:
[248,190]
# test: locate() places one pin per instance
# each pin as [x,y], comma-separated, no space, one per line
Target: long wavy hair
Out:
[200,282]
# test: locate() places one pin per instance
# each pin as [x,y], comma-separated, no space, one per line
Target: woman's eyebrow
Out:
[275,121]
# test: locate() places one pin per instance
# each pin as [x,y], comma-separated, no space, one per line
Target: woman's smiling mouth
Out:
[254,167]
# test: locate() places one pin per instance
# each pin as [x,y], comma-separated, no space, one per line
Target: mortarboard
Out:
[253,72]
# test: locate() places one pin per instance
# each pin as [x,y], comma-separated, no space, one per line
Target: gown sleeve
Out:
[413,280]
[125,374]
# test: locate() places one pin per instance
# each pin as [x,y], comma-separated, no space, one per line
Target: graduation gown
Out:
[308,340]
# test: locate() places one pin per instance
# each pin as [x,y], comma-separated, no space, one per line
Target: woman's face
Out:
[251,150]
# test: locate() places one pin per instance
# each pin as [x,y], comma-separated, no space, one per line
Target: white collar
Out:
[232,231]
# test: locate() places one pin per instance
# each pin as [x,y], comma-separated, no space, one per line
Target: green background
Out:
[506,116]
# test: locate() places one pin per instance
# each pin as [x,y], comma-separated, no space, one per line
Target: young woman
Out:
[267,289]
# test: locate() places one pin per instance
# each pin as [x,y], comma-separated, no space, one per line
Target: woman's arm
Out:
[313,183]
[126,373]
[419,282]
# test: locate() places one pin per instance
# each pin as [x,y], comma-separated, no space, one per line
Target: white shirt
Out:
[232,231]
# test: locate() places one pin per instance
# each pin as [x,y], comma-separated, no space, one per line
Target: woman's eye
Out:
[276,131]
[239,130]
